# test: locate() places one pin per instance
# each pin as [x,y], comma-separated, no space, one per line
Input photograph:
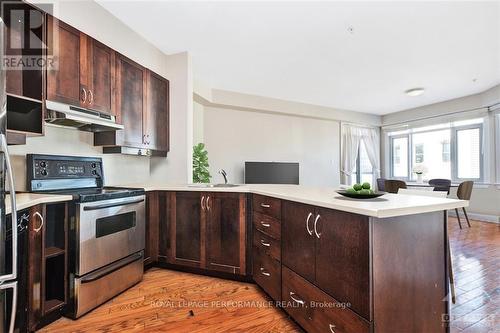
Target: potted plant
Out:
[419,170]
[200,164]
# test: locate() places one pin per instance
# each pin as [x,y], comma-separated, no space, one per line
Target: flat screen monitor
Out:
[271,173]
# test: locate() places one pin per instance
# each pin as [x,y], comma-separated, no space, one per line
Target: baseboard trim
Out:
[478,217]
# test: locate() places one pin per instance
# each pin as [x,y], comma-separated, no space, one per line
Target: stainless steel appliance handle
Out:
[111,268]
[13,210]
[315,225]
[113,204]
[41,222]
[13,286]
[309,231]
[297,300]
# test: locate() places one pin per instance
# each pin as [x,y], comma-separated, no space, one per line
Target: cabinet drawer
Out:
[267,244]
[267,273]
[267,225]
[267,205]
[319,312]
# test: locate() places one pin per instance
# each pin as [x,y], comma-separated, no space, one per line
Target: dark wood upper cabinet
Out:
[63,79]
[130,101]
[298,240]
[342,256]
[83,74]
[187,229]
[225,245]
[156,129]
[101,67]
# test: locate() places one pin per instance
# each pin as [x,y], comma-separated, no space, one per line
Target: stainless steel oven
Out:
[107,227]
[107,231]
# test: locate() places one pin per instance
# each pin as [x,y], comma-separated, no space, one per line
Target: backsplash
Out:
[118,169]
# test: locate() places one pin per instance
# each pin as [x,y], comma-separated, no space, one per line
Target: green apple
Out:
[364,191]
[357,187]
[366,186]
[351,190]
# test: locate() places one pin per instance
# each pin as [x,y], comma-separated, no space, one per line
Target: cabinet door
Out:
[226,232]
[188,229]
[298,240]
[157,115]
[63,79]
[35,258]
[101,65]
[130,100]
[152,228]
[165,201]
[342,258]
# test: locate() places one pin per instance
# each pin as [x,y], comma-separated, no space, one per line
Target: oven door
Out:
[107,231]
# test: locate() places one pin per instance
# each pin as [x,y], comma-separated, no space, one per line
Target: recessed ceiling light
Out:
[415,91]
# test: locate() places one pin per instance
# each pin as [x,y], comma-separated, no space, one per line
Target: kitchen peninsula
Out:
[382,262]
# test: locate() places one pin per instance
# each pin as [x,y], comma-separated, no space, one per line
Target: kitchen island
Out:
[334,264]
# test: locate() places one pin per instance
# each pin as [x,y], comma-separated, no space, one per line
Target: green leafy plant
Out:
[200,164]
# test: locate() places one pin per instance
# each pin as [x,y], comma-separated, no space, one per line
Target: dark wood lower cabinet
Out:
[152,228]
[225,232]
[35,259]
[315,310]
[343,256]
[187,229]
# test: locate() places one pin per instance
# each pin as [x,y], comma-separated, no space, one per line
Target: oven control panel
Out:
[62,170]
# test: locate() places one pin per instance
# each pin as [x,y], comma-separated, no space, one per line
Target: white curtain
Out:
[351,139]
[372,144]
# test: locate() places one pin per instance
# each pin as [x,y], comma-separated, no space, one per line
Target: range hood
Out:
[83,119]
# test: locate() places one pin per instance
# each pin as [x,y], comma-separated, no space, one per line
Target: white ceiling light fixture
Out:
[415,92]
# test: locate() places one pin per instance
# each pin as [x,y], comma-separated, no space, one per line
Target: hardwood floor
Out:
[476,264]
[170,301]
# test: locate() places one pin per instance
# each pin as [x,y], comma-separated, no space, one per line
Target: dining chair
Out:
[381,184]
[393,185]
[464,192]
[440,185]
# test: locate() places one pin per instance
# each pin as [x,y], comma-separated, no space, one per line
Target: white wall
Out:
[95,21]
[233,137]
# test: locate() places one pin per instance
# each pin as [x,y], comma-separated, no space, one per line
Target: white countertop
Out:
[388,205]
[26,200]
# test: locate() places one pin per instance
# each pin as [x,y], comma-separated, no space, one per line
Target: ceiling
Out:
[359,56]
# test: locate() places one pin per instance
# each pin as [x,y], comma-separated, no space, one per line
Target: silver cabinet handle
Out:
[332,328]
[263,272]
[315,225]
[208,203]
[264,243]
[202,202]
[40,217]
[84,96]
[13,286]
[263,205]
[297,300]
[309,231]
[13,209]
[267,225]
[91,97]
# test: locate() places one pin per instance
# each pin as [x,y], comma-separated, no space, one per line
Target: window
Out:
[452,151]
[419,153]
[445,151]
[362,163]
[400,157]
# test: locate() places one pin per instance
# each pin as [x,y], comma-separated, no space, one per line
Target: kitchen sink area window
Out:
[452,150]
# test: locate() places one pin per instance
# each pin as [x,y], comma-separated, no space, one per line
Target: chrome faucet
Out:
[224,174]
